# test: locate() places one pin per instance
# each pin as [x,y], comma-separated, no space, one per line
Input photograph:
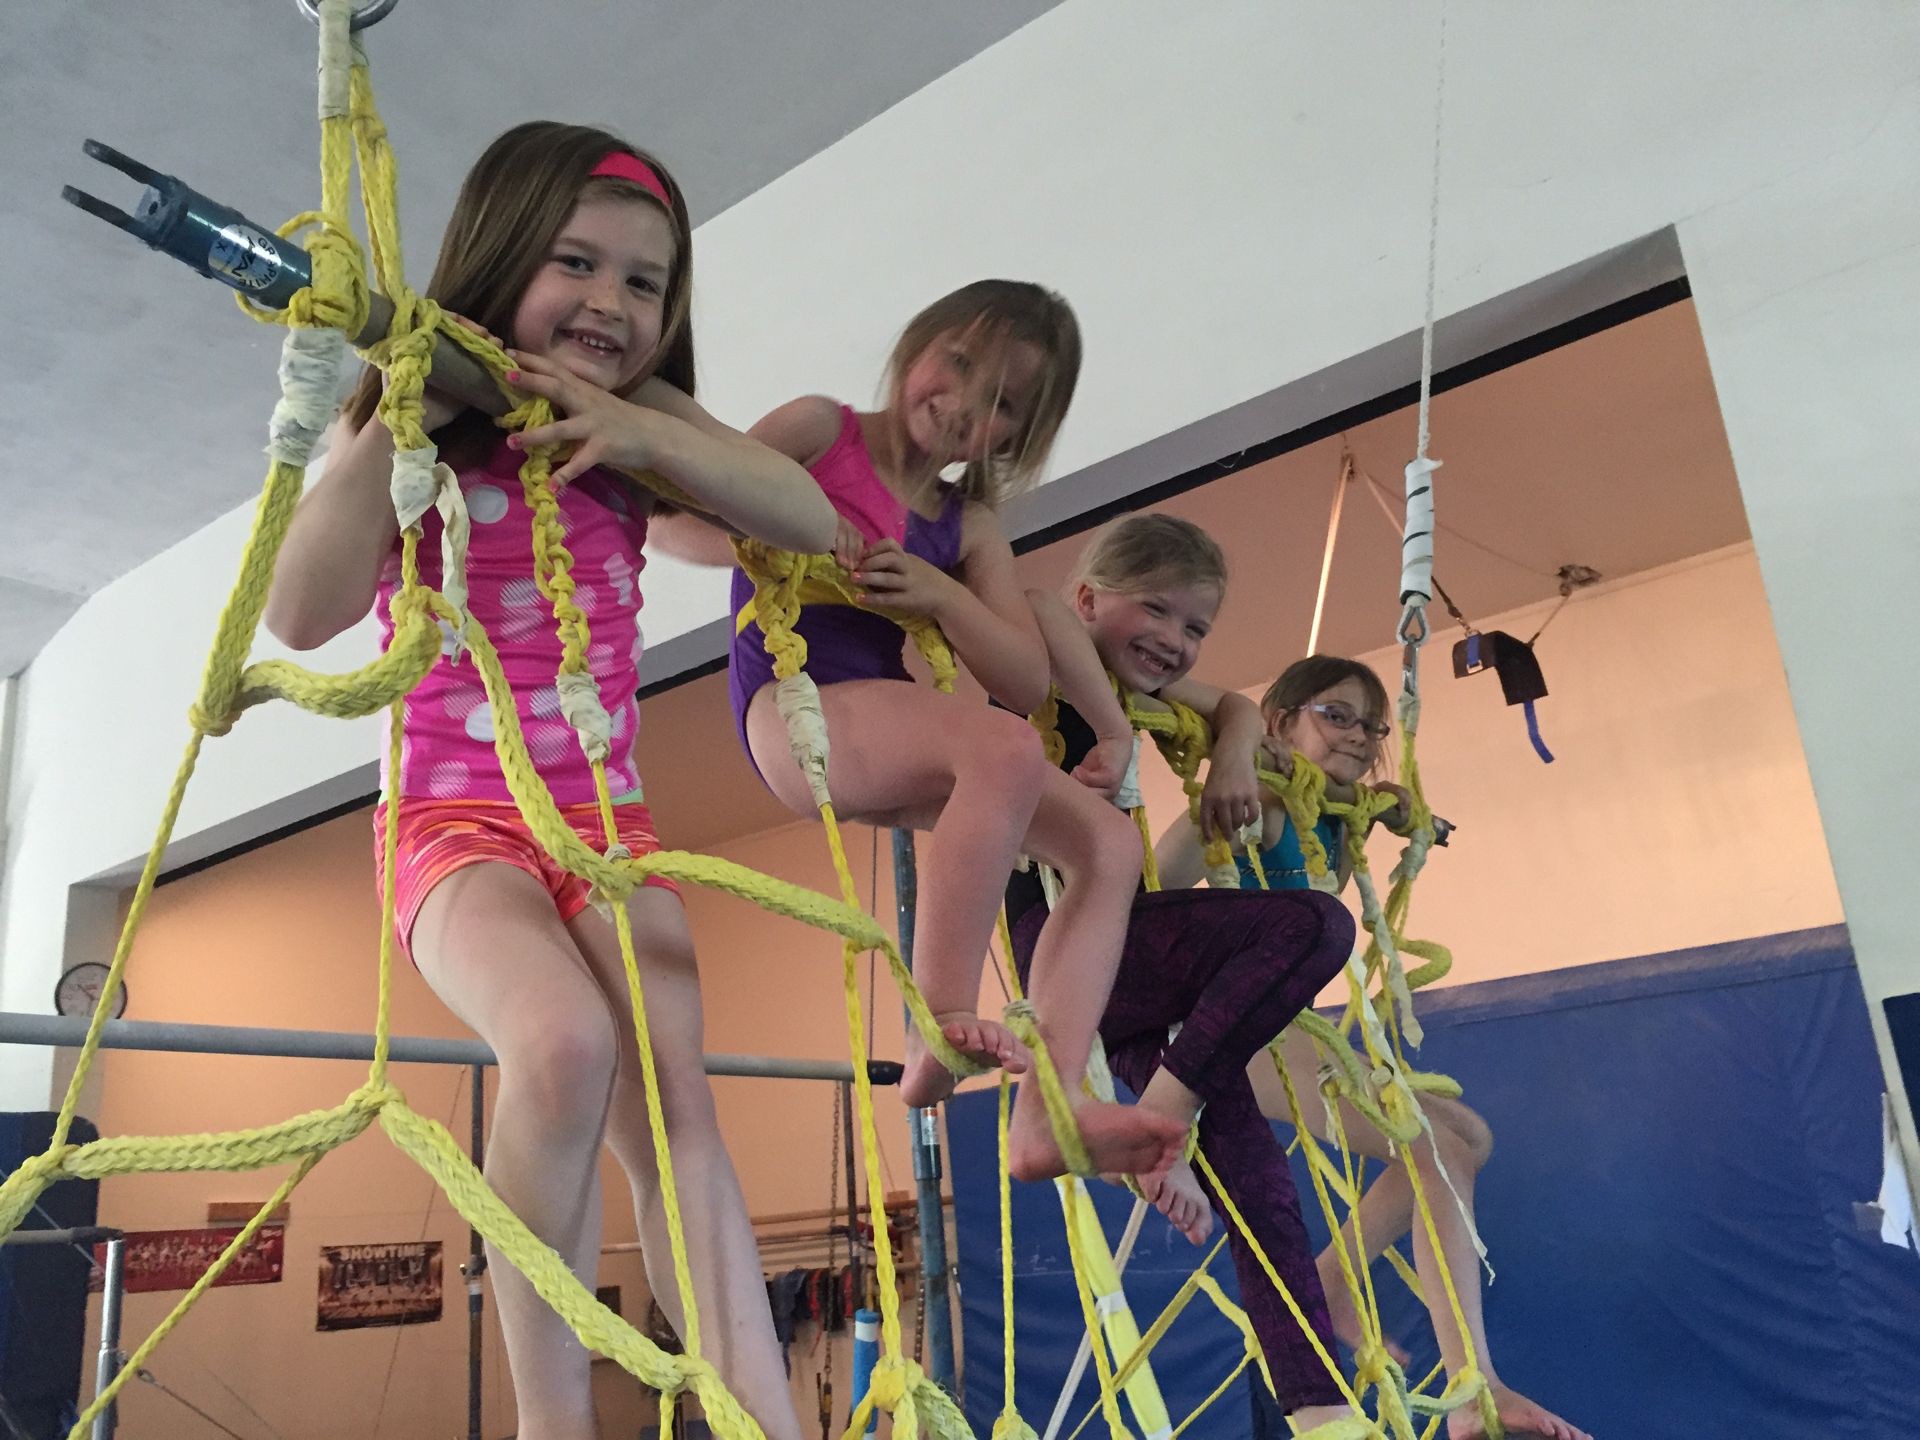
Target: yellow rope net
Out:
[318,320]
[1375,1080]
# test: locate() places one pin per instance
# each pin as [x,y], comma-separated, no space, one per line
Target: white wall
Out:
[1234,196]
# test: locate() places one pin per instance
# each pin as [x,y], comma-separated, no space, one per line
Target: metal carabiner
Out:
[371,14]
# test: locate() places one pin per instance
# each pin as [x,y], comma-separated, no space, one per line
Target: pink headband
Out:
[622,166]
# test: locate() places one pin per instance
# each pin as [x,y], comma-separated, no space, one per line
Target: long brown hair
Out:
[1316,675]
[993,315]
[512,206]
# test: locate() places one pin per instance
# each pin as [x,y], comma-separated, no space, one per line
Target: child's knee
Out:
[1476,1136]
[1338,930]
[1005,746]
[563,1067]
[1113,846]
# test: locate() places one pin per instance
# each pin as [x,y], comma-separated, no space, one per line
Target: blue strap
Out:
[1533,734]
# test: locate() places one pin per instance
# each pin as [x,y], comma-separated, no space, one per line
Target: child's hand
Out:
[603,428]
[1275,754]
[1398,818]
[1106,764]
[849,545]
[437,407]
[1230,799]
[889,577]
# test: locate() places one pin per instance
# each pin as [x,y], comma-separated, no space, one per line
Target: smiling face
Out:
[597,303]
[1151,637]
[1335,730]
[964,400]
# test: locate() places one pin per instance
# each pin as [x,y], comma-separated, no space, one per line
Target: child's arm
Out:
[328,569]
[1177,856]
[803,430]
[1083,684]
[981,607]
[1231,797]
[745,484]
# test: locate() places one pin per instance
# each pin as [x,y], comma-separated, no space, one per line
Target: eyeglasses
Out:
[1345,717]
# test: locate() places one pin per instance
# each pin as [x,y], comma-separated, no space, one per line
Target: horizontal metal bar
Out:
[79,1235]
[70,1031]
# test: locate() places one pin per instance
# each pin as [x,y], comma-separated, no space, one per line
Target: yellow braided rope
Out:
[1184,739]
[339,299]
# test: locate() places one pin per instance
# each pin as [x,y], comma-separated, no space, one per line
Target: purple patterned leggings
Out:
[1232,969]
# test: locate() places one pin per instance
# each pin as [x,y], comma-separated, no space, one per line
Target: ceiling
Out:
[1607,453]
[139,382]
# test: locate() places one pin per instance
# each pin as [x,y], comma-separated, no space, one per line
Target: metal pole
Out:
[855,1268]
[109,1365]
[936,1303]
[65,1031]
[476,1266]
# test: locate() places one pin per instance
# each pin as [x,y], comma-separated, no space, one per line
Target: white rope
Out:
[1433,237]
[1079,1368]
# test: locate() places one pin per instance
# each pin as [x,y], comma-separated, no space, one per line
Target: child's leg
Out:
[1252,1167]
[1097,851]
[1259,958]
[905,755]
[736,1326]
[1386,1213]
[489,943]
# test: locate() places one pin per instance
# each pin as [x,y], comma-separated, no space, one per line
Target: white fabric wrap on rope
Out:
[337,48]
[580,703]
[1375,919]
[413,485]
[455,530]
[799,701]
[310,361]
[1225,875]
[1416,543]
[420,481]
[1127,797]
[1098,1081]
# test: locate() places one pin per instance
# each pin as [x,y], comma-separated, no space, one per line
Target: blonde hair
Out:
[1144,551]
[992,316]
[512,206]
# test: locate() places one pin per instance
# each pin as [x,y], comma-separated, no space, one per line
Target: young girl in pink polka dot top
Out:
[576,248]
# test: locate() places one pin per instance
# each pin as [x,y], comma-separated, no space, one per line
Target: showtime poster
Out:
[365,1285]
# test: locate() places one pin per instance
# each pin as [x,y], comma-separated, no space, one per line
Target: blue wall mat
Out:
[1681,1140]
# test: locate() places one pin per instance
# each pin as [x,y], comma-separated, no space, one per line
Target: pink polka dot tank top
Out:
[448,747]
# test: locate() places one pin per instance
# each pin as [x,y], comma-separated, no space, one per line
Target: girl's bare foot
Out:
[1518,1415]
[1178,1196]
[1126,1139]
[925,1081]
[1345,1317]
